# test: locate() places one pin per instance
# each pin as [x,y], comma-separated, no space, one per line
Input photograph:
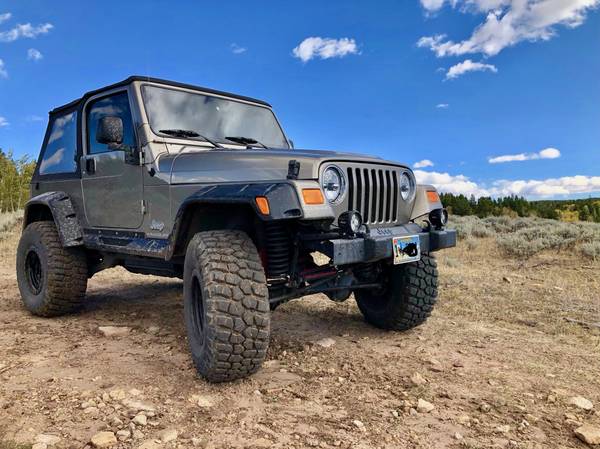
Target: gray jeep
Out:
[176,180]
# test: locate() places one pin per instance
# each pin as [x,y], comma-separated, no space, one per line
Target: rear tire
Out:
[408,299]
[226,305]
[52,279]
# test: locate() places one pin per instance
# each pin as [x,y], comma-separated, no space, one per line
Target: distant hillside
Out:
[564,210]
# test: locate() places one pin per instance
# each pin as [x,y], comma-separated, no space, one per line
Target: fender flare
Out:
[63,213]
[282,197]
[422,205]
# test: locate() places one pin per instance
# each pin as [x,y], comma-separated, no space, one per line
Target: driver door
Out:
[111,176]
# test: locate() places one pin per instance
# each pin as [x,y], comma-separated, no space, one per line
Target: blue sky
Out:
[453,82]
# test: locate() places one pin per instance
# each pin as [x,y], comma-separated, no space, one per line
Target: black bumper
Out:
[378,244]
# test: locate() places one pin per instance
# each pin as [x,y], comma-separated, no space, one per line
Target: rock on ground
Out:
[581,402]
[424,407]
[138,406]
[48,440]
[140,420]
[417,379]
[589,434]
[123,435]
[168,435]
[114,331]
[326,342]
[104,439]
[202,401]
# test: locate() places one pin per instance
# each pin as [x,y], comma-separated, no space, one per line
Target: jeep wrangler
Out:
[170,179]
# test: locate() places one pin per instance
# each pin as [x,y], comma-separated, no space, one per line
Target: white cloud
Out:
[465,5]
[3,122]
[422,164]
[3,72]
[35,118]
[552,187]
[34,55]
[445,182]
[24,30]
[5,16]
[468,66]
[432,5]
[507,23]
[547,153]
[567,185]
[324,48]
[237,49]
[442,106]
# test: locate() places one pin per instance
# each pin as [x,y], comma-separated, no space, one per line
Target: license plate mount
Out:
[406,249]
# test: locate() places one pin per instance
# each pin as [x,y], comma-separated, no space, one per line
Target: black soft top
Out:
[76,103]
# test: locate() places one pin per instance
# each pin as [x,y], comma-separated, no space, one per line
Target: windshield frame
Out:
[208,94]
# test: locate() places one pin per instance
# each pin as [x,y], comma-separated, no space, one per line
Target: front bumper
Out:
[378,244]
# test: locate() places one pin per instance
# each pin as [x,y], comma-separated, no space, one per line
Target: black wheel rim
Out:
[380,298]
[33,269]
[198,309]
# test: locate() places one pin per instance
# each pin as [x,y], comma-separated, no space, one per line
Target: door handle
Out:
[90,166]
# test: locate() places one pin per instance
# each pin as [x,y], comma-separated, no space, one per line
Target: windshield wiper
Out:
[248,141]
[188,133]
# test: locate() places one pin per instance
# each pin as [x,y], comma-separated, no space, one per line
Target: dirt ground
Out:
[498,361]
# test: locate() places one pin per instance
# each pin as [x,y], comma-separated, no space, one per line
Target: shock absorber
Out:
[278,247]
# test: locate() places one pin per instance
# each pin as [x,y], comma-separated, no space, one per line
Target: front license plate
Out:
[406,249]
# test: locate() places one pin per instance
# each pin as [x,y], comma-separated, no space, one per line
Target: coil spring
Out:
[278,247]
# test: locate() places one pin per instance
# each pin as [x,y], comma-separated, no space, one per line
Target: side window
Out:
[61,149]
[117,106]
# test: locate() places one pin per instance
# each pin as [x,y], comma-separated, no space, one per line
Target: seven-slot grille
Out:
[374,192]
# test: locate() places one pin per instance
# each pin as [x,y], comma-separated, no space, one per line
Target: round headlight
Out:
[407,186]
[333,184]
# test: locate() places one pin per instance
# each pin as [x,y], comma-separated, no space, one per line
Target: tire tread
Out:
[412,303]
[236,303]
[66,273]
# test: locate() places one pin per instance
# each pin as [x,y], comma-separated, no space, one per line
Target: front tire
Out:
[226,305]
[408,298]
[52,279]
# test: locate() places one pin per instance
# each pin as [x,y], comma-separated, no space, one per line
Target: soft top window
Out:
[116,105]
[59,155]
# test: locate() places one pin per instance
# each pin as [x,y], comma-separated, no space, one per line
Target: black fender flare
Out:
[63,213]
[282,197]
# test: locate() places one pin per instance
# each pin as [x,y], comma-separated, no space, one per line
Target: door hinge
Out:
[143,207]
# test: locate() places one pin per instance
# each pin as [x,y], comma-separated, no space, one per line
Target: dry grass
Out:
[8,220]
[538,288]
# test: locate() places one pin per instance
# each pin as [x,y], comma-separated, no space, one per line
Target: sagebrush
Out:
[526,236]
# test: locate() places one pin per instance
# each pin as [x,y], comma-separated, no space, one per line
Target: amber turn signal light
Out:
[313,196]
[432,196]
[263,205]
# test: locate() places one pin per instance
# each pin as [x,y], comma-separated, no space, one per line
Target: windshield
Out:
[216,118]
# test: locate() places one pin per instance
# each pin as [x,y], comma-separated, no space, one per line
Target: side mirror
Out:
[291,143]
[110,130]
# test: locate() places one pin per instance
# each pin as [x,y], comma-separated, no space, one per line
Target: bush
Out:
[526,236]
[520,246]
[482,232]
[591,250]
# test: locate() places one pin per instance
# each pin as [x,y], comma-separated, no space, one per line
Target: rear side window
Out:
[116,106]
[61,149]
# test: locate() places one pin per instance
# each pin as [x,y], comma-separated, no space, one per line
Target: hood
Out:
[190,165]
